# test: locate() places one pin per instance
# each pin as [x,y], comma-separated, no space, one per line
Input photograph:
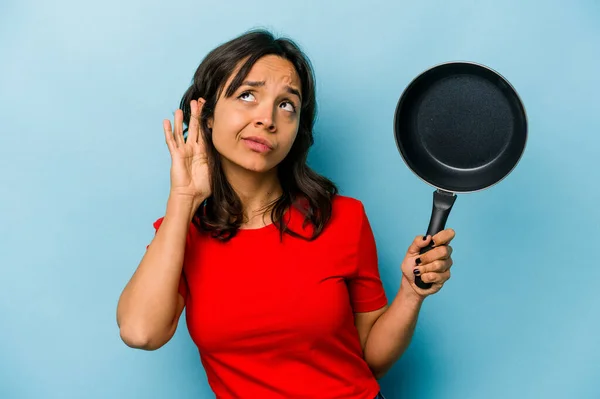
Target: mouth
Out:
[258,144]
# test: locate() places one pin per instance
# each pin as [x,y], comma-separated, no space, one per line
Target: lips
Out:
[260,140]
[258,144]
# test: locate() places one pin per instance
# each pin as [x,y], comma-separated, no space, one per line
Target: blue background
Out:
[85,172]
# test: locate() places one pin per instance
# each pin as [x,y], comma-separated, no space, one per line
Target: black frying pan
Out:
[460,127]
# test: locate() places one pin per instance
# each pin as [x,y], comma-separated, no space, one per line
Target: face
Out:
[255,128]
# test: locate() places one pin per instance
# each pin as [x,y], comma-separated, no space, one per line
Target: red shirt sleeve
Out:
[366,289]
[182,282]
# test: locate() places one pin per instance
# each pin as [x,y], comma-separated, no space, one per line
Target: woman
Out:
[277,271]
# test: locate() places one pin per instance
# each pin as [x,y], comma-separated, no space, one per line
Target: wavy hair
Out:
[222,212]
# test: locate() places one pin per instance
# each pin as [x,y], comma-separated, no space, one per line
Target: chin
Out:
[256,164]
[258,167]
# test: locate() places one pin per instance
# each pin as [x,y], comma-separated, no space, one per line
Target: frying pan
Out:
[460,127]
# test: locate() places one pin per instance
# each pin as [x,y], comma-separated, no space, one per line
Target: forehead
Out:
[271,70]
[274,69]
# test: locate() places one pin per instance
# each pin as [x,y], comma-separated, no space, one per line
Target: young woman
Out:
[277,271]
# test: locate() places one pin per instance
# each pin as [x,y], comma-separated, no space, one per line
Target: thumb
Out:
[418,243]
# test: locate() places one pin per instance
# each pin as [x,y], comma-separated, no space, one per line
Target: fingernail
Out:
[418,261]
[416,272]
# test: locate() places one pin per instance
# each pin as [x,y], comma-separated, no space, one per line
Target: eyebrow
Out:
[261,83]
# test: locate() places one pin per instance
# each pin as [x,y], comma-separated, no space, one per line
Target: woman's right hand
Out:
[190,176]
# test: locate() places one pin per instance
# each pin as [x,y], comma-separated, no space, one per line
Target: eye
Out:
[246,96]
[290,106]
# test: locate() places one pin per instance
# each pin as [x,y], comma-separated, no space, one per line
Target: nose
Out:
[264,119]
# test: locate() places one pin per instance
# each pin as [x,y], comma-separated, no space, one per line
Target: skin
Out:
[386,333]
[150,306]
[268,111]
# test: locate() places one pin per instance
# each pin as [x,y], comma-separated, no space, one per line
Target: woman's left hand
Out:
[433,266]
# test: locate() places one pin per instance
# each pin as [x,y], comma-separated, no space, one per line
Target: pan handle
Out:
[442,205]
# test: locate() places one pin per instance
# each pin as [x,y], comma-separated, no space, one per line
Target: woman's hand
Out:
[190,176]
[433,266]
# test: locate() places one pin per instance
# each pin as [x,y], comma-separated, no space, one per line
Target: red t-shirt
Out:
[275,319]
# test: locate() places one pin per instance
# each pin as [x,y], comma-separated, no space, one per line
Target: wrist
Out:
[407,294]
[181,205]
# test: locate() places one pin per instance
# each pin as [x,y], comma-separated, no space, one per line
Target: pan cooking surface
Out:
[464,121]
[460,127]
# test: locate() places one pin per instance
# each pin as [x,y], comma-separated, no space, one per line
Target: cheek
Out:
[290,142]
[284,147]
[290,138]
[220,139]
[225,132]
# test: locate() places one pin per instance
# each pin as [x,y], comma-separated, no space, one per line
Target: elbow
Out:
[379,369]
[141,338]
[379,374]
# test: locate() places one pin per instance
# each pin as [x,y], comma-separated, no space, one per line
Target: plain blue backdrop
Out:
[84,172]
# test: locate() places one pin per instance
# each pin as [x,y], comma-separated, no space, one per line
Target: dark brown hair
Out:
[222,213]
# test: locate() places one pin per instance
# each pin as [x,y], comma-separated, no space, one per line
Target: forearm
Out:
[392,332]
[148,304]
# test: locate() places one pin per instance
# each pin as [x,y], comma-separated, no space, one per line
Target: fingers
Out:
[436,278]
[434,265]
[437,266]
[194,122]
[200,136]
[174,137]
[169,136]
[441,252]
[418,243]
[178,133]
[444,237]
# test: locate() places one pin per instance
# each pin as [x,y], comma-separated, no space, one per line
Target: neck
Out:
[256,191]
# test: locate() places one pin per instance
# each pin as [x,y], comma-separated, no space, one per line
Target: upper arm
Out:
[366,290]
[178,312]
[364,321]
[181,297]
[165,337]
[364,284]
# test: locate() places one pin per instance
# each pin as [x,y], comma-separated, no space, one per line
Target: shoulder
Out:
[348,214]
[346,206]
